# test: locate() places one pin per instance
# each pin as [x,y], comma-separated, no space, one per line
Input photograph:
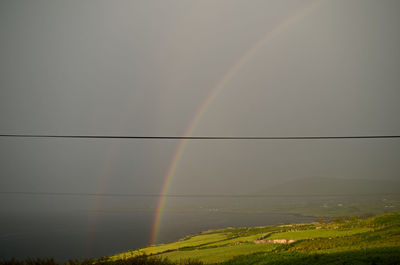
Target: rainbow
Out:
[229,73]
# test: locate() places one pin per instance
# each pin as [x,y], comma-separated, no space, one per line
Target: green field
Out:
[319,233]
[193,241]
[218,254]
[349,240]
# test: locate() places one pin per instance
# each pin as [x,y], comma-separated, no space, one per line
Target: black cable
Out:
[179,138]
[200,137]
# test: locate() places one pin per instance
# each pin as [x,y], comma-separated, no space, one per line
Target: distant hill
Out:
[334,186]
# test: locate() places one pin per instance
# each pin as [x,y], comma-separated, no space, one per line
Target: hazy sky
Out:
[145,68]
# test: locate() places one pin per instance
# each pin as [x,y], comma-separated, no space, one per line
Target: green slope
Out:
[355,241]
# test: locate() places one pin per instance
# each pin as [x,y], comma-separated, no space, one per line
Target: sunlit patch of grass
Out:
[192,241]
[218,254]
[236,240]
[316,233]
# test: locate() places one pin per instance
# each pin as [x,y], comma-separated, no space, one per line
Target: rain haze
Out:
[187,68]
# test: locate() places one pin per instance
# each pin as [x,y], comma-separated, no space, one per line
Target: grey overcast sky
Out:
[145,68]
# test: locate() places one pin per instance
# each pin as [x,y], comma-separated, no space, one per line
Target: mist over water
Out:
[71,235]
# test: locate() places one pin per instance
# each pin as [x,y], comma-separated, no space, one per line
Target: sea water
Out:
[80,228]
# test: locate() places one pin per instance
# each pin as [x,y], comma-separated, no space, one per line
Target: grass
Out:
[217,254]
[236,240]
[318,233]
[372,256]
[212,238]
[138,260]
[192,241]
[323,241]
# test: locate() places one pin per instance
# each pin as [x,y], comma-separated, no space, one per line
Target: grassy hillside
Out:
[364,241]
[352,240]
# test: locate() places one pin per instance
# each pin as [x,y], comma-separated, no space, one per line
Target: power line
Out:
[200,137]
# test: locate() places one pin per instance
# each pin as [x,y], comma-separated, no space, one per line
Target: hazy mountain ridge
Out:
[334,186]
